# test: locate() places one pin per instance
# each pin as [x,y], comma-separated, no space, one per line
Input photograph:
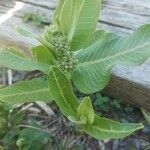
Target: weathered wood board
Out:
[132,84]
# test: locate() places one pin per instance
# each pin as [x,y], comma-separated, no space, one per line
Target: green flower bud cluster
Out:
[60,43]
[67,63]
[65,58]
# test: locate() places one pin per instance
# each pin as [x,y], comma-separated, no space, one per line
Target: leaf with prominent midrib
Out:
[26,91]
[15,61]
[86,23]
[57,13]
[97,36]
[65,16]
[96,62]
[103,128]
[61,91]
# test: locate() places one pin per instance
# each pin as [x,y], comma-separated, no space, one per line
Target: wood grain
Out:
[132,84]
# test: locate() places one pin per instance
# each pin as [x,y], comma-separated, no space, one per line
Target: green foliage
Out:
[96,61]
[25,32]
[65,59]
[103,128]
[17,118]
[36,18]
[100,128]
[116,104]
[146,115]
[65,19]
[2,126]
[61,91]
[86,23]
[3,120]
[102,102]
[15,61]
[85,111]
[110,106]
[42,54]
[31,139]
[26,91]
[28,138]
[89,68]
[9,140]
[128,108]
[80,23]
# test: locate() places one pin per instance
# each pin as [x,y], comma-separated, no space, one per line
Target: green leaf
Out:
[66,16]
[37,20]
[25,32]
[26,17]
[85,110]
[146,115]
[17,118]
[26,91]
[86,23]
[42,54]
[15,61]
[3,126]
[9,140]
[61,91]
[96,61]
[57,13]
[103,128]
[77,19]
[98,35]
[32,139]
[17,52]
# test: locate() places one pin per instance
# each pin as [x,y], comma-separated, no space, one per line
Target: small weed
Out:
[37,19]
[22,138]
[102,102]
[106,105]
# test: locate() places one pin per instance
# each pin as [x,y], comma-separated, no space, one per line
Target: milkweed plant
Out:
[73,52]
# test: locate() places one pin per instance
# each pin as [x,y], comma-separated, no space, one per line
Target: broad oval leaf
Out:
[103,128]
[26,91]
[97,61]
[61,91]
[66,16]
[77,19]
[15,61]
[86,23]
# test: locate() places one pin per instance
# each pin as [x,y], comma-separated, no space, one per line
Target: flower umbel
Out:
[66,59]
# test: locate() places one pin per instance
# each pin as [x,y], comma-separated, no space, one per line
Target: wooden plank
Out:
[118,16]
[131,84]
[122,17]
